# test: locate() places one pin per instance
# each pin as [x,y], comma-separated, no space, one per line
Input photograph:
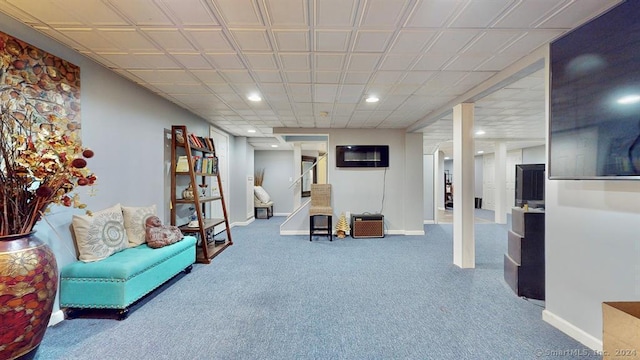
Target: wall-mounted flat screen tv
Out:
[594,127]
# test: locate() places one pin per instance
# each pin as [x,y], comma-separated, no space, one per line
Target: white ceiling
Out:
[313,62]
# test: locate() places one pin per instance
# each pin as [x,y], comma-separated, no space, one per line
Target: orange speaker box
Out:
[367,225]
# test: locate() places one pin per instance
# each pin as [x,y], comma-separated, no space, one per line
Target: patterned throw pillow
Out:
[261,194]
[101,234]
[134,222]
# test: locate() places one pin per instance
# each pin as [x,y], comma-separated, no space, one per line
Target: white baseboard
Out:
[572,330]
[56,317]
[242,223]
[429,222]
[294,232]
[281,214]
[414,232]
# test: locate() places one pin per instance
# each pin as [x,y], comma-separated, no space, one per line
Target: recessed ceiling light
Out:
[480,152]
[251,131]
[480,132]
[254,97]
[447,158]
[372,99]
[274,146]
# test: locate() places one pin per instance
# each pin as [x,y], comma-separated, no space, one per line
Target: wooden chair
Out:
[320,206]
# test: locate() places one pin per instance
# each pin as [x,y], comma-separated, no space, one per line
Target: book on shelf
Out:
[197,163]
[182,165]
[195,141]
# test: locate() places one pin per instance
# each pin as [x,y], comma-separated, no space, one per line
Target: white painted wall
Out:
[279,169]
[592,252]
[125,125]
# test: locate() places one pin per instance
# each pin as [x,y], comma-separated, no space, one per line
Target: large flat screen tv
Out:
[594,127]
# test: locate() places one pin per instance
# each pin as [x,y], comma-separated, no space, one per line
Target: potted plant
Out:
[41,163]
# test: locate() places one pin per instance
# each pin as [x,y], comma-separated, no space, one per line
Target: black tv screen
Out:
[594,126]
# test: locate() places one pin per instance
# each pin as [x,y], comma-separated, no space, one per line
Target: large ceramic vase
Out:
[28,284]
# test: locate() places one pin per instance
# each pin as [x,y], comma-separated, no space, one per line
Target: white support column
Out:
[500,178]
[438,183]
[464,244]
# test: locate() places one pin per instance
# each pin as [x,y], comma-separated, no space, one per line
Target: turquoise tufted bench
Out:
[124,277]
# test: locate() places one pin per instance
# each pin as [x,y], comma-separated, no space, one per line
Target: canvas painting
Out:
[38,89]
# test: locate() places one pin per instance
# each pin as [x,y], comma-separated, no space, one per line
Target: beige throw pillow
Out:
[101,234]
[134,222]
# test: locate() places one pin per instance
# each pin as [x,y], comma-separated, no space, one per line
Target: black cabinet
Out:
[524,260]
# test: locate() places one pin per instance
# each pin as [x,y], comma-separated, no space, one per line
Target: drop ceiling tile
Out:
[329,62]
[192,61]
[499,62]
[327,77]
[433,60]
[490,40]
[252,40]
[416,77]
[479,14]
[286,13]
[168,76]
[451,41]
[532,40]
[223,88]
[343,109]
[236,76]
[298,76]
[238,13]
[351,94]
[405,89]
[398,62]
[383,13]
[411,41]
[261,61]
[575,13]
[391,103]
[467,63]
[210,40]
[387,77]
[266,76]
[292,62]
[54,14]
[335,13]
[357,77]
[332,40]
[292,40]
[140,60]
[324,93]
[89,38]
[189,12]
[371,40]
[174,89]
[246,89]
[226,61]
[91,12]
[208,76]
[142,12]
[363,62]
[128,40]
[169,39]
[432,14]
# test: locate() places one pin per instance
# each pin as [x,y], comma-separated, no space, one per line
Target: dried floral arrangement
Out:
[258,177]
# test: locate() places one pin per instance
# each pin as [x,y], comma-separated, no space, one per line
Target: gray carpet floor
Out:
[283,297]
